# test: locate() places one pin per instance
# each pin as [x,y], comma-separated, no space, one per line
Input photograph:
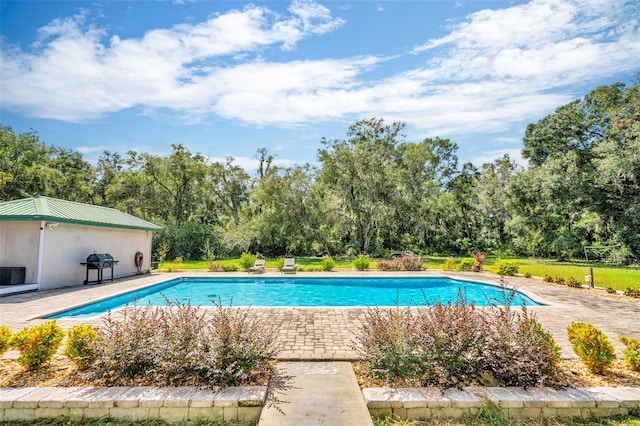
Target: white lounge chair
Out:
[289,266]
[258,267]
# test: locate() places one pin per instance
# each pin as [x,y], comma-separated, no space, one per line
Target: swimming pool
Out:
[309,292]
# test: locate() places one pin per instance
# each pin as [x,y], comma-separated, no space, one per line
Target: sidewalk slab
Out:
[320,393]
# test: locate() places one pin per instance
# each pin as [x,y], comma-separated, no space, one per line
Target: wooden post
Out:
[591,284]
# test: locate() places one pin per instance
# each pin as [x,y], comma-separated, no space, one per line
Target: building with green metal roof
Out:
[61,211]
[43,242]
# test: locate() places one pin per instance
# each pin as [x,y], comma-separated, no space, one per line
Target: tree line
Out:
[372,192]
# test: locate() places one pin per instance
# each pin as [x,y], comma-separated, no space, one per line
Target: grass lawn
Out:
[108,421]
[604,276]
[617,277]
[493,419]
[486,418]
[301,263]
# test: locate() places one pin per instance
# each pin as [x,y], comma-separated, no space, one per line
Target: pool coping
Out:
[338,274]
[156,278]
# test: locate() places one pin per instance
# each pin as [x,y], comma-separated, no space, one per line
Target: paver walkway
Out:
[328,333]
[320,393]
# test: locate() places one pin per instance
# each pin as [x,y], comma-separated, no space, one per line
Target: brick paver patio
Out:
[327,333]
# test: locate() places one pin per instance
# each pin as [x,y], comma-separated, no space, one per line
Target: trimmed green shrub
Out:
[449,264]
[591,345]
[632,292]
[361,262]
[328,264]
[547,278]
[279,263]
[169,267]
[466,264]
[559,280]
[230,267]
[309,268]
[81,340]
[247,260]
[5,338]
[505,267]
[38,344]
[574,283]
[631,354]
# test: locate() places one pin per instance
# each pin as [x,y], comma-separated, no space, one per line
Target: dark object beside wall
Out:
[12,275]
[99,262]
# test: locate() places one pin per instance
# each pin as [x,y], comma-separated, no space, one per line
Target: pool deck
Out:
[327,333]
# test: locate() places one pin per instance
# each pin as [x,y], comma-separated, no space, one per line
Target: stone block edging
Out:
[515,402]
[172,404]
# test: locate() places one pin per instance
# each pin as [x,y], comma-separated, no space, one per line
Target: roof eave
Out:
[34,218]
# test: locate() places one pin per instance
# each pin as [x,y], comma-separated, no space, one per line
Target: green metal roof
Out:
[54,210]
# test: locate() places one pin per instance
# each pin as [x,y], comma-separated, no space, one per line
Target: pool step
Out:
[319,393]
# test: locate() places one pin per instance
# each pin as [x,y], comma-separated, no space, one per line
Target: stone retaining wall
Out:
[133,403]
[515,402]
[245,403]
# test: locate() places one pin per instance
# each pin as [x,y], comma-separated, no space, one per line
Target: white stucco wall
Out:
[67,245]
[19,243]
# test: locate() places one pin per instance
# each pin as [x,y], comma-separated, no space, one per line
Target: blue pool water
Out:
[352,291]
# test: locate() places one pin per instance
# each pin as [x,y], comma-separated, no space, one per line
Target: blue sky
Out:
[225,78]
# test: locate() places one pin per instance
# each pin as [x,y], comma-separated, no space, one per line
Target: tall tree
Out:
[228,187]
[424,171]
[586,157]
[265,158]
[493,181]
[287,222]
[176,181]
[360,171]
[29,167]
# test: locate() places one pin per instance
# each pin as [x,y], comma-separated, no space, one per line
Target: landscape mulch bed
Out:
[571,373]
[62,372]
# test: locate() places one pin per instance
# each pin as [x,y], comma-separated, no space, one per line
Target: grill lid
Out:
[99,258]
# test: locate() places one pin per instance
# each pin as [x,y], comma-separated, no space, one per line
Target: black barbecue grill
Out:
[99,262]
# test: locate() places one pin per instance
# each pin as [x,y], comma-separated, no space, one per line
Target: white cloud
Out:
[492,155]
[545,42]
[92,149]
[71,74]
[508,140]
[250,164]
[493,70]
[499,67]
